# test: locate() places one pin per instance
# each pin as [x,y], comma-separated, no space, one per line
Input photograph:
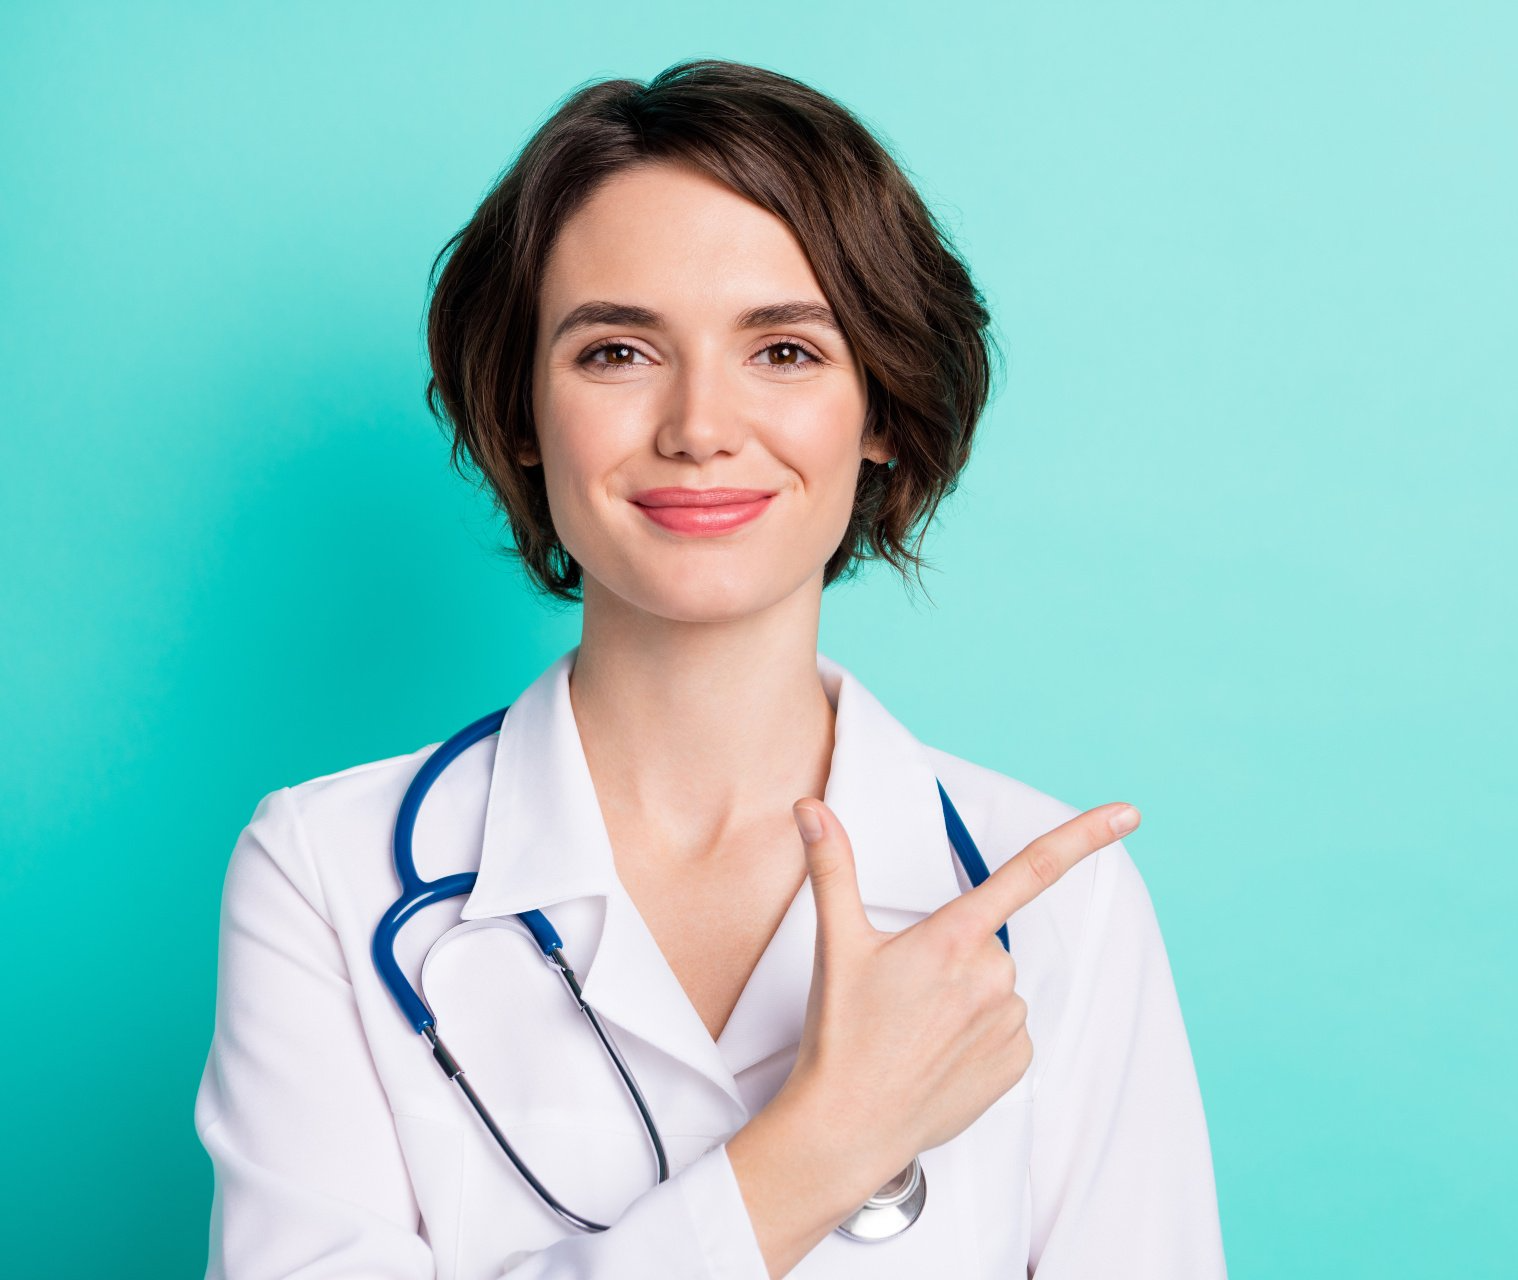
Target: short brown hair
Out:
[904,299]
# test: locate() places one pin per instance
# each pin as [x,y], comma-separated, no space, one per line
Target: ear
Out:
[528,456]
[877,448]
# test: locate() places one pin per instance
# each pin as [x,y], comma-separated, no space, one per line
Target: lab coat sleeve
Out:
[310,1179]
[694,1226]
[1121,1168]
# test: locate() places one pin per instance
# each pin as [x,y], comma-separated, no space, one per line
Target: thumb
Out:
[830,866]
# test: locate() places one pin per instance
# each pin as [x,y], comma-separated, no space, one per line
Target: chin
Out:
[706,601]
[702,593]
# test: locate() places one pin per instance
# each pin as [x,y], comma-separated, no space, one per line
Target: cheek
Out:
[582,439]
[821,444]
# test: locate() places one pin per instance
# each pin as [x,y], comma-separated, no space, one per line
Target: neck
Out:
[700,730]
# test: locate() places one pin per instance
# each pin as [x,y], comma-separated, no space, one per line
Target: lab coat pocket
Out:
[434,1154]
[991,1172]
[595,1163]
[971,1218]
[477,1210]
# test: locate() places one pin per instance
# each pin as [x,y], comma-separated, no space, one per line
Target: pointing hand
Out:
[910,1036]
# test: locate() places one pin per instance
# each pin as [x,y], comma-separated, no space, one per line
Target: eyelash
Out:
[813,357]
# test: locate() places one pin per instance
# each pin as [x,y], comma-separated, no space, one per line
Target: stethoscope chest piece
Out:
[889,1212]
[892,1209]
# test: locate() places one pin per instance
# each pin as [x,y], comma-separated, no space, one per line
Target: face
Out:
[684,345]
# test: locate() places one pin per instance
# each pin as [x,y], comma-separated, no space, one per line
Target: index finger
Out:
[1023,877]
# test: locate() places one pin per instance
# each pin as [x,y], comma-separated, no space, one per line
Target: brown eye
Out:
[613,355]
[788,355]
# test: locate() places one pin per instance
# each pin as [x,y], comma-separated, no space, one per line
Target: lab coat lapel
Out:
[545,842]
[883,790]
[544,839]
[882,787]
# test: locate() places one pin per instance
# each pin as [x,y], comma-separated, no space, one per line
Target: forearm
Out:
[798,1181]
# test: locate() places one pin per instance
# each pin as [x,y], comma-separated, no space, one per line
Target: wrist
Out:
[849,1156]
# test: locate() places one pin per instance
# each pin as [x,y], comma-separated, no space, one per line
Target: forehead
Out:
[658,234]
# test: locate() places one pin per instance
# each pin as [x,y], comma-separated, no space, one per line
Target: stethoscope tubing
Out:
[417,894]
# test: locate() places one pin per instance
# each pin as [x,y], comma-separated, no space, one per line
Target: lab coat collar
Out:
[546,842]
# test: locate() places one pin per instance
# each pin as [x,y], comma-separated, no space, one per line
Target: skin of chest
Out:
[712,919]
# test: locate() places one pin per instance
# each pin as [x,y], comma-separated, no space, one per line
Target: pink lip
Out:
[702,512]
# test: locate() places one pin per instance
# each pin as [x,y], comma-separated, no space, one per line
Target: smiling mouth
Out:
[702,512]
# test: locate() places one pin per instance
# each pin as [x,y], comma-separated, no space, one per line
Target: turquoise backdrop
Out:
[1237,544]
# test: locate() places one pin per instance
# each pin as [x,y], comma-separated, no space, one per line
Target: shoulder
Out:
[1091,932]
[331,834]
[339,797]
[344,794]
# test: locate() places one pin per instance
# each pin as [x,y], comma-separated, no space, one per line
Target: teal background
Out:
[1237,544]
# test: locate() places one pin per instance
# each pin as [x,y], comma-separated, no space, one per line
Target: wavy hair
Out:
[884,262]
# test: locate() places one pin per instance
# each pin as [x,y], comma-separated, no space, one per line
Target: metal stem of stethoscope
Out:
[416,894]
[887,1213]
[454,1072]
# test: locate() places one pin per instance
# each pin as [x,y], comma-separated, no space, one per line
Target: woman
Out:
[709,350]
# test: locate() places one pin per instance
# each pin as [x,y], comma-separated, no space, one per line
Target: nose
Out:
[701,414]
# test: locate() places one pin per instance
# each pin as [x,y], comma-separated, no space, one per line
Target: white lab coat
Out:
[341,1150]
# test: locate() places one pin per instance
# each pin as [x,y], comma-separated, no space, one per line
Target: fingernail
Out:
[807,822]
[1124,820]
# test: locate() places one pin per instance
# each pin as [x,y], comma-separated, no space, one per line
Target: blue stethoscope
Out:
[890,1211]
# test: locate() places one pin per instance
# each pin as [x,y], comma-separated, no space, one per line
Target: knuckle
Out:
[1043,864]
[991,997]
[827,869]
[1017,1008]
[1018,1058]
[1006,976]
[957,939]
[996,983]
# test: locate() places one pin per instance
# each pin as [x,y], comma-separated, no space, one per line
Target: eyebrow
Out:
[771,315]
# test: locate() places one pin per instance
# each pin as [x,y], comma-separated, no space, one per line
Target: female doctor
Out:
[709,350]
